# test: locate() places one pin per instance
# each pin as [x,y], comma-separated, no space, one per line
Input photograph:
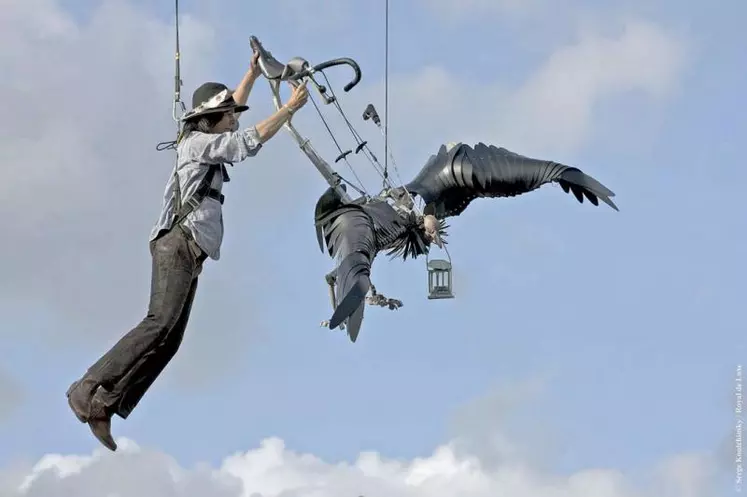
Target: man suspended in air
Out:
[188,231]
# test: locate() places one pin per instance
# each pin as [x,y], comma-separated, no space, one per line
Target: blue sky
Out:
[627,322]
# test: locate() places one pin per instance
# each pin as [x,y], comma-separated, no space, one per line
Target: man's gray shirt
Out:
[195,154]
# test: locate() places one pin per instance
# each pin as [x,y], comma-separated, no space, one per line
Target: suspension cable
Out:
[177,102]
[387,151]
[386,91]
[362,145]
[360,188]
[177,69]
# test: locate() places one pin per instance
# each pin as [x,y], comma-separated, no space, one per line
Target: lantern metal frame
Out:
[440,278]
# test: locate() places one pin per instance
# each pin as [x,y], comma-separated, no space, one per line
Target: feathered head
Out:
[435,229]
[420,232]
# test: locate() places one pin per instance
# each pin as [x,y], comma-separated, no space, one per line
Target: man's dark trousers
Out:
[132,364]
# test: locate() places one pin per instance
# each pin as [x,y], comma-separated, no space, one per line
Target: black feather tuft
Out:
[413,241]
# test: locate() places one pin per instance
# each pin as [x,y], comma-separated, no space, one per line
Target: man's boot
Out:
[88,408]
[79,397]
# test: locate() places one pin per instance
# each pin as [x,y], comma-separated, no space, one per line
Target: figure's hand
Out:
[298,98]
[254,69]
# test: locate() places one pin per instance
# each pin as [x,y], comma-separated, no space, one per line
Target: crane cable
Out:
[385,129]
[177,69]
[386,92]
[171,145]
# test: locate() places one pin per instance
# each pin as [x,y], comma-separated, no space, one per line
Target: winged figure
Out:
[356,232]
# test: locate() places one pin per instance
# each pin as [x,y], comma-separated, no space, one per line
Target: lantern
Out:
[439,279]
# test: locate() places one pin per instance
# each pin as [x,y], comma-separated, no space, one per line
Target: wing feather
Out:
[453,178]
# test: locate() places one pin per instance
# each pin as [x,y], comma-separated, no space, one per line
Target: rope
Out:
[170,145]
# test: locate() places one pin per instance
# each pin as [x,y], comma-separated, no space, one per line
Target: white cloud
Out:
[552,110]
[273,470]
[486,457]
[556,105]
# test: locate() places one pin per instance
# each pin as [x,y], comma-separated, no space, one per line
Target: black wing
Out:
[452,179]
[349,234]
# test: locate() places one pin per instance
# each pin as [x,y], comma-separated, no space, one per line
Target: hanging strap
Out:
[204,189]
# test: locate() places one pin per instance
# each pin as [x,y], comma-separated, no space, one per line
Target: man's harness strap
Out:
[204,190]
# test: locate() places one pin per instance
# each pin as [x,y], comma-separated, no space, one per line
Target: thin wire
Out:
[358,139]
[383,172]
[177,68]
[360,188]
[386,91]
[387,152]
[171,145]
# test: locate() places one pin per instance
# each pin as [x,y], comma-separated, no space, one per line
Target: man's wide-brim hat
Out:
[212,98]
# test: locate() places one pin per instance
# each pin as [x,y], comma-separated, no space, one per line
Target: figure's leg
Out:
[98,395]
[331,279]
[175,267]
[132,387]
[381,300]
